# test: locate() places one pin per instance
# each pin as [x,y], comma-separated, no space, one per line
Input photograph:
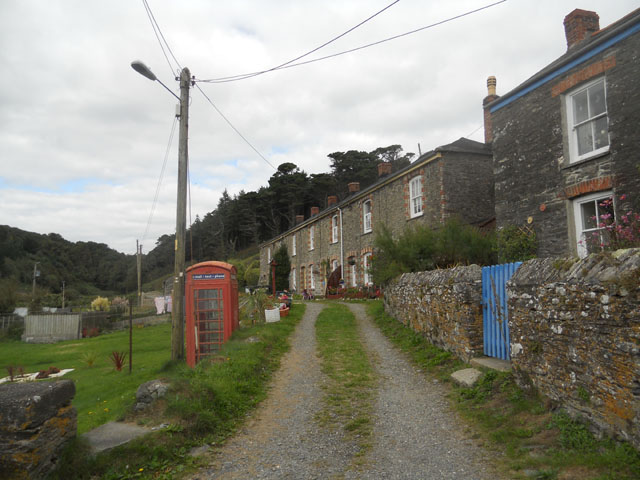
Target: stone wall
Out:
[36,420]
[575,337]
[443,305]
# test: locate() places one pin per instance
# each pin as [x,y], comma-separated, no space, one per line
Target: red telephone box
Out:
[211,293]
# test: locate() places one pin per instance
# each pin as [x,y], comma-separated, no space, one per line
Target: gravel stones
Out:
[416,436]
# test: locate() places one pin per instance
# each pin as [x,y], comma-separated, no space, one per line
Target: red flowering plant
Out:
[614,233]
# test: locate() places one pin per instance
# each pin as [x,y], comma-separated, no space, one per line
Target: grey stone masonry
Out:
[36,420]
[575,336]
[443,305]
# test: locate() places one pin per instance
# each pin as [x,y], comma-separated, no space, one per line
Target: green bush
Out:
[516,244]
[8,295]
[421,248]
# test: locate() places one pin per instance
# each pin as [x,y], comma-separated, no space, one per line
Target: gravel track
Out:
[281,439]
[415,436]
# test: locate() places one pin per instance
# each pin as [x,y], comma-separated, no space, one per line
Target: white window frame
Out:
[572,126]
[334,229]
[366,216]
[294,246]
[294,283]
[312,245]
[366,265]
[312,280]
[415,197]
[354,275]
[268,254]
[581,231]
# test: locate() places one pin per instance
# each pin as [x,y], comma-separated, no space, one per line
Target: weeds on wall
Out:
[422,248]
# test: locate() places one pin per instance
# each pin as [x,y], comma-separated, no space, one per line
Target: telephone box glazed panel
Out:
[211,307]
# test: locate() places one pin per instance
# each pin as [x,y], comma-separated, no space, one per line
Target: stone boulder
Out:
[36,420]
[149,392]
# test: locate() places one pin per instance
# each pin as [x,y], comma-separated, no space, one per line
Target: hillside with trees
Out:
[233,229]
[239,223]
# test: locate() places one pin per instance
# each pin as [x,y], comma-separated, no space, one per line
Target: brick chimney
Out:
[491,96]
[384,168]
[299,219]
[315,211]
[353,187]
[579,25]
[332,200]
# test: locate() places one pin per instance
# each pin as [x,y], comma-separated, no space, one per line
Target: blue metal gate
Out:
[494,309]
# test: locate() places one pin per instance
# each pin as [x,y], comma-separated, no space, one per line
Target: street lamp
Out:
[177,311]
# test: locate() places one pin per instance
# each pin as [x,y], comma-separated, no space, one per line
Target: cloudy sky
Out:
[83,137]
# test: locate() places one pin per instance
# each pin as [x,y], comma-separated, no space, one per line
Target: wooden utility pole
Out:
[63,294]
[177,309]
[139,266]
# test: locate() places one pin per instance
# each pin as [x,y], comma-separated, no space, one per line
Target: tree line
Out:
[233,229]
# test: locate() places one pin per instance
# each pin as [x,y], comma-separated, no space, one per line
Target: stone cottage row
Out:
[561,153]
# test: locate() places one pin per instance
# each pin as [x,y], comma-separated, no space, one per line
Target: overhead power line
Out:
[164,166]
[163,43]
[161,40]
[282,65]
[236,78]
[234,128]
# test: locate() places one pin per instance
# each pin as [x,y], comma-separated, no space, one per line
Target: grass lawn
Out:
[102,393]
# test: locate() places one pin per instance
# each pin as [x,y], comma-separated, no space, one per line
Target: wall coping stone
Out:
[466,274]
[598,268]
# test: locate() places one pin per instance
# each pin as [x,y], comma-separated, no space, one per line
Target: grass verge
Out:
[532,440]
[351,381]
[102,393]
[204,406]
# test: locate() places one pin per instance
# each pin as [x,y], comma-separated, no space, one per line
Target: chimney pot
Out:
[491,96]
[299,219]
[491,86]
[332,200]
[315,211]
[384,168]
[353,187]
[579,25]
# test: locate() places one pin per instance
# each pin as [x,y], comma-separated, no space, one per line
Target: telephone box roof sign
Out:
[211,305]
[209,276]
[213,263]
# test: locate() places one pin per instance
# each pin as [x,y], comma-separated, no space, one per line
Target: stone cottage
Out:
[452,180]
[565,142]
